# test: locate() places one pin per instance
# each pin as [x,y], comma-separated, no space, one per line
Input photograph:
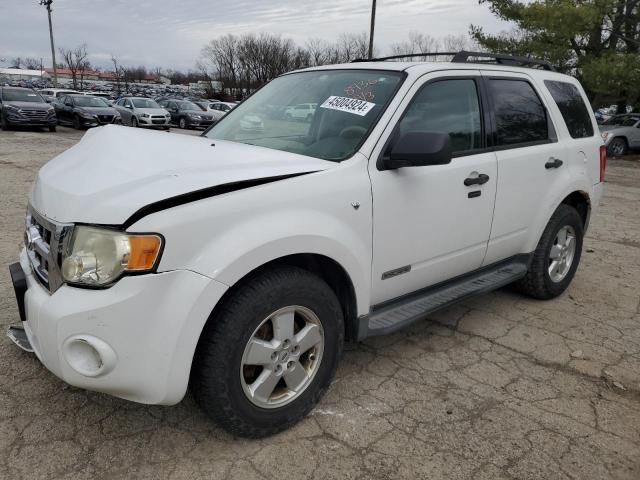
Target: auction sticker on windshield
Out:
[346,104]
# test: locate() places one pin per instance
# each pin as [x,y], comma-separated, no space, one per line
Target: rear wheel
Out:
[556,257]
[269,353]
[618,147]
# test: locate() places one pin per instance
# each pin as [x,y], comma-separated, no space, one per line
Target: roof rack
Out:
[464,56]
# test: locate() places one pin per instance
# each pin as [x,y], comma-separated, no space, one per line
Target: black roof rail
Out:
[408,55]
[464,56]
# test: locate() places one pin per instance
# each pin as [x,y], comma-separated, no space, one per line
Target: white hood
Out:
[114,171]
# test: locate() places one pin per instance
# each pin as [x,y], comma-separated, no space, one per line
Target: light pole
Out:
[47,4]
[373,24]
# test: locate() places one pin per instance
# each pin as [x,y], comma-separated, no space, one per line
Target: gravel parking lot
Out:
[501,386]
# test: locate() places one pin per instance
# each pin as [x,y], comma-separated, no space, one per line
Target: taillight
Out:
[603,161]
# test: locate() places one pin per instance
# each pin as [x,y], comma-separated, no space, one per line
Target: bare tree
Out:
[117,72]
[15,62]
[77,63]
[31,63]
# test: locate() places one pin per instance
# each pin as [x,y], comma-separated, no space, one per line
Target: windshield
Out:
[144,103]
[89,102]
[324,114]
[16,95]
[184,105]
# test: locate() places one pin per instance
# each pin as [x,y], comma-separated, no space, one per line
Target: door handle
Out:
[479,180]
[553,163]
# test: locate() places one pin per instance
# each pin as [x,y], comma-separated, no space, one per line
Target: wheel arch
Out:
[328,269]
[581,201]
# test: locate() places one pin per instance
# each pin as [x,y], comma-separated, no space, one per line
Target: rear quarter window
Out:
[572,107]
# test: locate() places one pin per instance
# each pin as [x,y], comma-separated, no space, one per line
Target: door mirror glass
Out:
[419,149]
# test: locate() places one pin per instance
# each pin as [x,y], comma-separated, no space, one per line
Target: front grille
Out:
[105,118]
[44,243]
[34,114]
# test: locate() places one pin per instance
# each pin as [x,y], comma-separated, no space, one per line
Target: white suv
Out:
[238,262]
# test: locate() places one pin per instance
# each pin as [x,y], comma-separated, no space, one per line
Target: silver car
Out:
[143,112]
[621,133]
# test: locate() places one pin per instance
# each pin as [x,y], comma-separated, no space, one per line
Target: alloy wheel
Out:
[562,253]
[282,357]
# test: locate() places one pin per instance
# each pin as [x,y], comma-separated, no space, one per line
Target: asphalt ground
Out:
[500,386]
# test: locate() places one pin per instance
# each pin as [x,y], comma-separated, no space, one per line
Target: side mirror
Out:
[129,107]
[419,149]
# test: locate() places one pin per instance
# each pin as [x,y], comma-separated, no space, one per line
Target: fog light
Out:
[89,356]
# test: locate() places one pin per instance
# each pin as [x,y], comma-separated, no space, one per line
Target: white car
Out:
[302,111]
[52,94]
[142,112]
[238,263]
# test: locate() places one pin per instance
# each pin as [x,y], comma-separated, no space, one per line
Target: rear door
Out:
[530,161]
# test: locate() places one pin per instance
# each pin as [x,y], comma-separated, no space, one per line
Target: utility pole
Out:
[373,24]
[47,5]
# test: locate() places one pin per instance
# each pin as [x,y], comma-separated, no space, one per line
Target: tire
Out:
[134,121]
[538,281]
[618,147]
[4,123]
[182,123]
[52,128]
[76,122]
[219,376]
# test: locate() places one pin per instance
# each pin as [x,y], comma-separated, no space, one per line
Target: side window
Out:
[520,115]
[447,106]
[571,105]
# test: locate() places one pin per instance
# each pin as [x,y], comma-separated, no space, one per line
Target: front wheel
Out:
[52,128]
[269,352]
[134,121]
[556,257]
[182,123]
[4,123]
[76,122]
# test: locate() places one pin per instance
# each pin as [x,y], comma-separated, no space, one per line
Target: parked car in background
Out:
[83,111]
[621,133]
[251,123]
[52,94]
[25,106]
[223,107]
[187,114]
[302,111]
[142,112]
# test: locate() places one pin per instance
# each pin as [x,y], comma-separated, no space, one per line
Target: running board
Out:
[19,337]
[408,309]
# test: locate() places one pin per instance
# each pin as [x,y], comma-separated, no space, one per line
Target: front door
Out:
[429,225]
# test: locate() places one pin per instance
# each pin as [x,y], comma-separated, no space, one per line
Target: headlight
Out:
[12,108]
[193,115]
[99,256]
[604,135]
[145,115]
[90,116]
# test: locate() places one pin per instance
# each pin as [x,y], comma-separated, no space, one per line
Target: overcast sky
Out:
[170,33]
